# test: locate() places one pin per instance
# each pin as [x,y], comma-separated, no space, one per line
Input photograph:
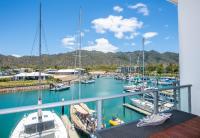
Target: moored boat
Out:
[115,121]
[46,125]
[83,118]
[40,124]
[88,81]
[59,87]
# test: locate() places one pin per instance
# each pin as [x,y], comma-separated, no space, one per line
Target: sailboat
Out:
[40,124]
[82,116]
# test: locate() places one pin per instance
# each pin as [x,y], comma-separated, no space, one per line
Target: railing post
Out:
[189,99]
[179,98]
[155,102]
[175,98]
[99,114]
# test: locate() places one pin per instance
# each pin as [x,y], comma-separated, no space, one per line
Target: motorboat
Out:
[59,87]
[88,81]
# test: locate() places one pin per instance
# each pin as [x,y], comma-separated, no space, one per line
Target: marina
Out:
[111,87]
[109,73]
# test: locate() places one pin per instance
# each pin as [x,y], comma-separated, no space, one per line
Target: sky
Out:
[106,25]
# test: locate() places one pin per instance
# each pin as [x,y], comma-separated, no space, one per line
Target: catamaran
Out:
[40,124]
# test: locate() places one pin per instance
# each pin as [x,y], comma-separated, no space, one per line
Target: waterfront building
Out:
[64,71]
[30,76]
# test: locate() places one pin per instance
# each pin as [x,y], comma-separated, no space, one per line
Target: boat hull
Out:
[58,130]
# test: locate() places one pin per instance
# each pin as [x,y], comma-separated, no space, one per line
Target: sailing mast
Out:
[80,43]
[143,43]
[40,61]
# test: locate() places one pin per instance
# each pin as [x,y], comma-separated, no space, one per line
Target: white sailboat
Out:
[81,116]
[40,124]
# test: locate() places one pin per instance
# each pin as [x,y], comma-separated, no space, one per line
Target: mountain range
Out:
[90,58]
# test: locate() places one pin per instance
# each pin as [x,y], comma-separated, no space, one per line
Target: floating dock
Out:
[132,107]
[71,132]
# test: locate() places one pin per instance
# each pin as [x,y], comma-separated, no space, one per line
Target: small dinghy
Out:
[154,119]
[115,121]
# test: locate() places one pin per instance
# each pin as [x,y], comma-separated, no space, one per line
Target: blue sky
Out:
[108,25]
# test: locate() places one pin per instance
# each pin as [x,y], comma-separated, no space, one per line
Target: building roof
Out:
[67,70]
[32,74]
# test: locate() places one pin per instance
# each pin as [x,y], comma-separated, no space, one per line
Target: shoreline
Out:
[30,88]
[23,89]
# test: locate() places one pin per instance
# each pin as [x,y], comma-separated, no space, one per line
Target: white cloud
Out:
[15,55]
[69,42]
[150,35]
[141,8]
[117,24]
[132,35]
[118,9]
[102,45]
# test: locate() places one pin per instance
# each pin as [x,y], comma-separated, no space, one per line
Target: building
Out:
[65,71]
[30,76]
[189,28]
[128,69]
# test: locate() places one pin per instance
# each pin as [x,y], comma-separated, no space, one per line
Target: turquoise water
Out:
[102,87]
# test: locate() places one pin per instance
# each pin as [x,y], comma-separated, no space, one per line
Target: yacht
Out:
[59,87]
[81,115]
[40,124]
[149,106]
[48,125]
[88,81]
[83,118]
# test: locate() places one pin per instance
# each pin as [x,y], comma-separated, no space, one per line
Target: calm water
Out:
[102,87]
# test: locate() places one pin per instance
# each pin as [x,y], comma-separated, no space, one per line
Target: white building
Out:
[189,50]
[65,71]
[30,76]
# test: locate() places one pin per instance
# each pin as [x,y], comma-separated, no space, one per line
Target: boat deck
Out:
[181,124]
[71,132]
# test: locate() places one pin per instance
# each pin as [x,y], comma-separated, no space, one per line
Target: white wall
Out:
[189,45]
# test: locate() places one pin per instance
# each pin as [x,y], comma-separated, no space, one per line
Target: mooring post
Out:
[99,114]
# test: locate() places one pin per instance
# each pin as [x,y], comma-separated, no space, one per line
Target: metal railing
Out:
[100,99]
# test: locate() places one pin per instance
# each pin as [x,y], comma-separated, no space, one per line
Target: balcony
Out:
[180,124]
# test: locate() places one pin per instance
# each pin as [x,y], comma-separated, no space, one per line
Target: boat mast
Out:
[143,43]
[80,43]
[40,62]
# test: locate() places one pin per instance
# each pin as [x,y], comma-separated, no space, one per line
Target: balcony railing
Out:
[99,100]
